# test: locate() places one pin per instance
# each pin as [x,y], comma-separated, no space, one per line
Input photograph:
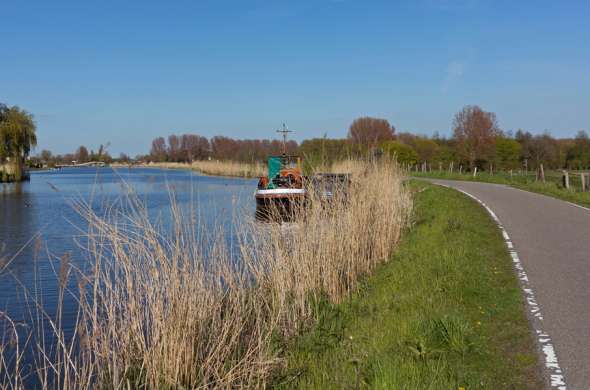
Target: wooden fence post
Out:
[583,179]
[566,179]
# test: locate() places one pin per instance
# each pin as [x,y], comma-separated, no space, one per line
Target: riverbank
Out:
[445,313]
[176,305]
[5,178]
[552,187]
[8,173]
[213,168]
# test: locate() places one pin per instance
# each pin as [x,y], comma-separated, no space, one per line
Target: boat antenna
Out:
[284,132]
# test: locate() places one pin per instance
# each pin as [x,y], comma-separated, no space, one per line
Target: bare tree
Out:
[82,154]
[475,131]
[193,147]
[124,158]
[174,147]
[369,131]
[158,151]
[224,148]
[544,149]
[46,156]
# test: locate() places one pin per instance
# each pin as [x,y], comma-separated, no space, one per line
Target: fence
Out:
[578,181]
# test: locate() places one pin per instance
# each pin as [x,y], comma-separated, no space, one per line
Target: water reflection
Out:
[43,208]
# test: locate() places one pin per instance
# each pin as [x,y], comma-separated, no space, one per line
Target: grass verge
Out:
[552,187]
[446,313]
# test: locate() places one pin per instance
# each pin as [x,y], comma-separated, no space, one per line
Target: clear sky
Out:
[125,72]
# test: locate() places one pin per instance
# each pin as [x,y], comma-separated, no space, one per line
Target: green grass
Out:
[445,313]
[553,186]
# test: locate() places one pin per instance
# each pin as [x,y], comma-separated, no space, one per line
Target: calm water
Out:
[42,207]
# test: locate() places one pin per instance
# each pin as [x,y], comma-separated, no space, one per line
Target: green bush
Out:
[403,153]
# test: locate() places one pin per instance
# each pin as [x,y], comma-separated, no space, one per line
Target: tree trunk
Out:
[18,174]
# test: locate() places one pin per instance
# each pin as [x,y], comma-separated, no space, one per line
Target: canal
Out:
[39,224]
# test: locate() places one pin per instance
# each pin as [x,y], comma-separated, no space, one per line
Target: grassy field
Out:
[552,187]
[445,313]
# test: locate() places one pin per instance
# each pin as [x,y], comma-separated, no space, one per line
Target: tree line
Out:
[190,147]
[477,141]
[80,156]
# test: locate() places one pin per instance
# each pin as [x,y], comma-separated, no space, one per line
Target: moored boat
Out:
[281,192]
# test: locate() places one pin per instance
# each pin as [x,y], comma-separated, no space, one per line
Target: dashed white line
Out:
[555,374]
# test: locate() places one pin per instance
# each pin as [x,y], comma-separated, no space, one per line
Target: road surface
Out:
[551,238]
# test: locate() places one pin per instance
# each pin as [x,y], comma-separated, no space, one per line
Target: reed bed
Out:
[218,168]
[174,307]
[229,168]
[348,166]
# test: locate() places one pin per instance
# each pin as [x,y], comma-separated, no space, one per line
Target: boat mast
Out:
[284,132]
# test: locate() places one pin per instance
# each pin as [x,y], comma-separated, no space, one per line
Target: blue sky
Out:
[126,72]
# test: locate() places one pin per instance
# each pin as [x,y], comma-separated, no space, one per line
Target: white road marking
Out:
[578,206]
[554,371]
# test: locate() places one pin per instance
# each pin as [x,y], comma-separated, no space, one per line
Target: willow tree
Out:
[17,137]
[4,143]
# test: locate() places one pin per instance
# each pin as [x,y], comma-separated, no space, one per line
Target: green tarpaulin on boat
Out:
[274,169]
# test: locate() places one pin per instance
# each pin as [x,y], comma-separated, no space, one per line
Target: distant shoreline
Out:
[208,168]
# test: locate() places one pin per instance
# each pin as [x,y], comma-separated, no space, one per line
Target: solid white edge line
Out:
[554,372]
[578,206]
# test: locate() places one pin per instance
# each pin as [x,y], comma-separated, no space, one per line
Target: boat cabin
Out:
[283,172]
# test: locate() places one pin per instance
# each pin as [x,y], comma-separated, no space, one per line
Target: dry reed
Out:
[171,307]
[348,166]
[217,168]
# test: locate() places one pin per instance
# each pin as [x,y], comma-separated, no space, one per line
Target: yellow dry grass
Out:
[353,167]
[217,168]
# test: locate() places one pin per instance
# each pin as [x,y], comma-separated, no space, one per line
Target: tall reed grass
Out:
[218,168]
[174,307]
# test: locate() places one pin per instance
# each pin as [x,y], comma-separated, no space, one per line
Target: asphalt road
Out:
[552,239]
